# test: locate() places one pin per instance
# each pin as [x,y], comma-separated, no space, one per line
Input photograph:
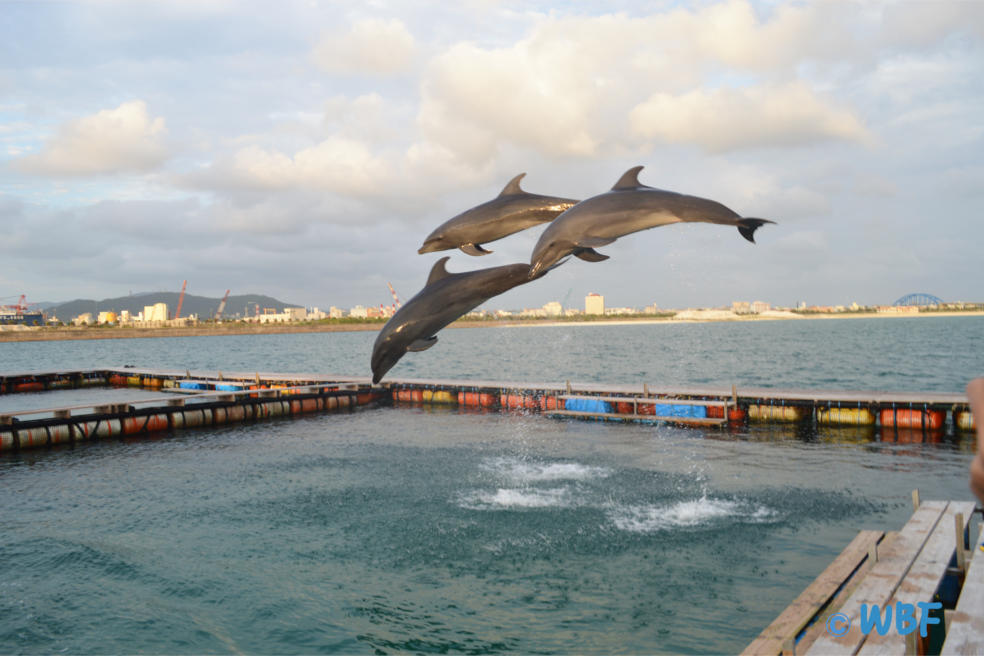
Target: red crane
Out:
[22,305]
[177,313]
[218,313]
[396,300]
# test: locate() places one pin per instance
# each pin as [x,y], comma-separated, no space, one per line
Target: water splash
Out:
[524,471]
[517,499]
[702,512]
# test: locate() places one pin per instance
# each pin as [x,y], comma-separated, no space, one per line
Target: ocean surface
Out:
[418,530]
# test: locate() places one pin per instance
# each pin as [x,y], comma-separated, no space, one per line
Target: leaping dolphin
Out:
[629,207]
[444,298]
[511,211]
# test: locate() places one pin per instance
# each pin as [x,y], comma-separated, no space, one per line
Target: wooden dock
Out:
[935,558]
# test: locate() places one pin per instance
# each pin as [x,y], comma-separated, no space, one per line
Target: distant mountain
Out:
[203,306]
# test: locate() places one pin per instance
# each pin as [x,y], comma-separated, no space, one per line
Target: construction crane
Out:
[218,313]
[177,313]
[396,299]
[567,298]
[21,306]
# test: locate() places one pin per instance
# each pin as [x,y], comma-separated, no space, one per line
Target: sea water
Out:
[416,529]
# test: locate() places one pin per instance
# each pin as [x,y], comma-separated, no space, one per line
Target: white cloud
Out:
[370,46]
[590,86]
[121,140]
[369,117]
[919,24]
[730,33]
[727,119]
[338,164]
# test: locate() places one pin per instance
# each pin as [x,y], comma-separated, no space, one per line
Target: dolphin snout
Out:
[431,246]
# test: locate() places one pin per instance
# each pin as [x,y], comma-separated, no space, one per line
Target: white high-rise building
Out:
[594,304]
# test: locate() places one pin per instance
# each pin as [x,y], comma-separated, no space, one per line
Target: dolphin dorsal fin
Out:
[512,187]
[438,271]
[629,179]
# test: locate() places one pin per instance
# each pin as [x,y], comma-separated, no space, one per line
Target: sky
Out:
[305,149]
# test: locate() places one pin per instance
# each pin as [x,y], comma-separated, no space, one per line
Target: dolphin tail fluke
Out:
[747,227]
[473,249]
[423,344]
[590,255]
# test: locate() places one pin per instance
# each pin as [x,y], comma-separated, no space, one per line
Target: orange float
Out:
[909,418]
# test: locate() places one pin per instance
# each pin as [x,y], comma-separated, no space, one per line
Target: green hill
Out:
[202,306]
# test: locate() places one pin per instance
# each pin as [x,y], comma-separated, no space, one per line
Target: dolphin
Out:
[444,298]
[629,207]
[511,211]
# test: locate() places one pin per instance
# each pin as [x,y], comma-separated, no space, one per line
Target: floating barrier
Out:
[518,401]
[735,415]
[775,413]
[30,386]
[927,412]
[593,406]
[964,420]
[677,411]
[205,409]
[909,418]
[439,396]
[478,399]
[846,416]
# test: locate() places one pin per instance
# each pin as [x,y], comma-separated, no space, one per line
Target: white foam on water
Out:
[524,471]
[688,514]
[517,499]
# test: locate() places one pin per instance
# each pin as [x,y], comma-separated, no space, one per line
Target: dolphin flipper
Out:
[423,344]
[473,249]
[747,227]
[590,255]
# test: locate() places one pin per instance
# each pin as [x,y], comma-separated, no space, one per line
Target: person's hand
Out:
[975,392]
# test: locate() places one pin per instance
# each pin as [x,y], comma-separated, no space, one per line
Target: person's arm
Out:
[975,392]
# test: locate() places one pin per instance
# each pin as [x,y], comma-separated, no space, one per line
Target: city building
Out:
[553,309]
[359,312]
[335,313]
[594,304]
[155,312]
[83,319]
[288,315]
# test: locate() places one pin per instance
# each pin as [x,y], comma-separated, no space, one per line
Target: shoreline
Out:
[25,334]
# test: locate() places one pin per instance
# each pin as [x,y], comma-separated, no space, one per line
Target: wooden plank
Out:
[965,635]
[881,582]
[923,578]
[812,600]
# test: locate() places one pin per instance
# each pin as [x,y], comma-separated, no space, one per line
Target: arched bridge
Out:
[919,299]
